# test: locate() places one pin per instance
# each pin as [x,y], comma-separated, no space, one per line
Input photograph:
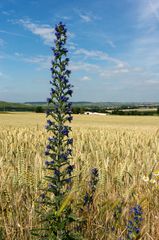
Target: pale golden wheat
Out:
[123,149]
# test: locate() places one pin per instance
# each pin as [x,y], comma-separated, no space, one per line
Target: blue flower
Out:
[65,80]
[43,195]
[95,172]
[51,162]
[57,172]
[63,156]
[49,123]
[67,72]
[58,35]
[49,100]
[64,50]
[46,163]
[70,141]
[52,91]
[63,98]
[69,104]
[57,54]
[69,152]
[65,131]
[70,168]
[48,147]
[69,92]
[48,112]
[69,118]
[47,152]
[68,180]
[53,70]
[52,139]
[87,199]
[133,227]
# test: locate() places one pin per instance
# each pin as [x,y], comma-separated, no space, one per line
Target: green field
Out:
[125,149]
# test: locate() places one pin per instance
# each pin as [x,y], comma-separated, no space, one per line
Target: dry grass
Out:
[124,149]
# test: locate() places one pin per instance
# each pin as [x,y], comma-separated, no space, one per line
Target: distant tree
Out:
[39,109]
[78,110]
[158,110]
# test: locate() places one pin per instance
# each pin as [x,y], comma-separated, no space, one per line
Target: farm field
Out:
[23,119]
[125,150]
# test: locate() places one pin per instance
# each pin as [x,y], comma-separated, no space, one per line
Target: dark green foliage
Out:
[133,113]
[39,109]
[1,234]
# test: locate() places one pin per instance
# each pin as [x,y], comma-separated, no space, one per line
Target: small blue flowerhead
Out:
[70,141]
[63,98]
[94,172]
[70,168]
[69,118]
[69,92]
[65,131]
[49,100]
[63,156]
[49,122]
[46,153]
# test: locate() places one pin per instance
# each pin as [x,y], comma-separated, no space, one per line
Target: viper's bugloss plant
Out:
[56,199]
[134,224]
[88,198]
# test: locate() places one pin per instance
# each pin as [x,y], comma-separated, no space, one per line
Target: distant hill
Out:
[45,103]
[102,104]
[83,106]
[10,106]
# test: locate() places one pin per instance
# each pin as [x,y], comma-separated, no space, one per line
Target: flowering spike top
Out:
[59,147]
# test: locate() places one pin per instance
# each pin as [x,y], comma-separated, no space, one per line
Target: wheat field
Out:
[125,150]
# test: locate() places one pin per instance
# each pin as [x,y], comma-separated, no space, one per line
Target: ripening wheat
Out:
[128,162]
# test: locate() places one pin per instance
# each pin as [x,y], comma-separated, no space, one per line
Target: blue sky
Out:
[113,46]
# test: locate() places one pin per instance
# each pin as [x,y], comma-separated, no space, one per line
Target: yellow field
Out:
[125,150]
[38,120]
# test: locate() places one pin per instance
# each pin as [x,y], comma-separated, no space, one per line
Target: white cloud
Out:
[85,18]
[45,31]
[43,62]
[119,71]
[150,10]
[85,78]
[102,72]
[99,55]
[42,30]
[72,45]
[82,66]
[148,15]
